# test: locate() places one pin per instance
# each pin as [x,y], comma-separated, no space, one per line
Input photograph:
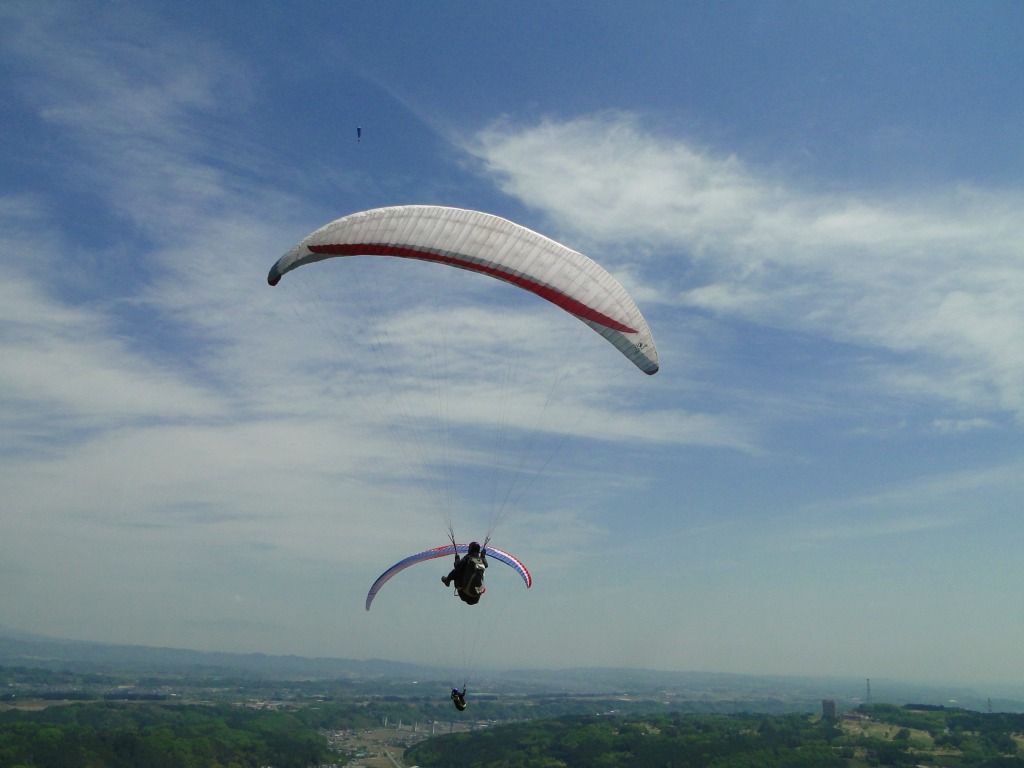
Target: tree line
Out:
[158,736]
[955,738]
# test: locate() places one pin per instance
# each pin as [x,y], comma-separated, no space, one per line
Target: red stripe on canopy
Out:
[557,298]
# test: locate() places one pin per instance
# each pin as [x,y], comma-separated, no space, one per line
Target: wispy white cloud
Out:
[146,109]
[72,359]
[928,503]
[935,277]
[930,491]
[956,426]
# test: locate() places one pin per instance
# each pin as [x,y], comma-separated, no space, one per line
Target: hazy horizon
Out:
[854,687]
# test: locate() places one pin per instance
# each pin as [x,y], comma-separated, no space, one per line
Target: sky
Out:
[817,206]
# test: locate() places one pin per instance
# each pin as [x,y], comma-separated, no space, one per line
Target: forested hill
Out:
[158,736]
[873,736]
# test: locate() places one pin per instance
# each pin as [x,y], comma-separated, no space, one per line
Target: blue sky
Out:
[818,207]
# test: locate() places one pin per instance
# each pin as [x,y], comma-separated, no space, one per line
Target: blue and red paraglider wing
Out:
[431,554]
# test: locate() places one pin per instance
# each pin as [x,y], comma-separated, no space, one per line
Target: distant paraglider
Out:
[459,698]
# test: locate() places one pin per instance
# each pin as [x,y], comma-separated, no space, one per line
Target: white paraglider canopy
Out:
[490,245]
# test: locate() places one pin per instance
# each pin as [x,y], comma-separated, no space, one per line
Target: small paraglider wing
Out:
[432,554]
[489,245]
[401,565]
[513,562]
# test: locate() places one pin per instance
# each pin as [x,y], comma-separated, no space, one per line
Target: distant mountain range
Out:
[24,649]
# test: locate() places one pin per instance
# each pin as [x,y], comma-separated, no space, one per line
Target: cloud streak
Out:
[932,281]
